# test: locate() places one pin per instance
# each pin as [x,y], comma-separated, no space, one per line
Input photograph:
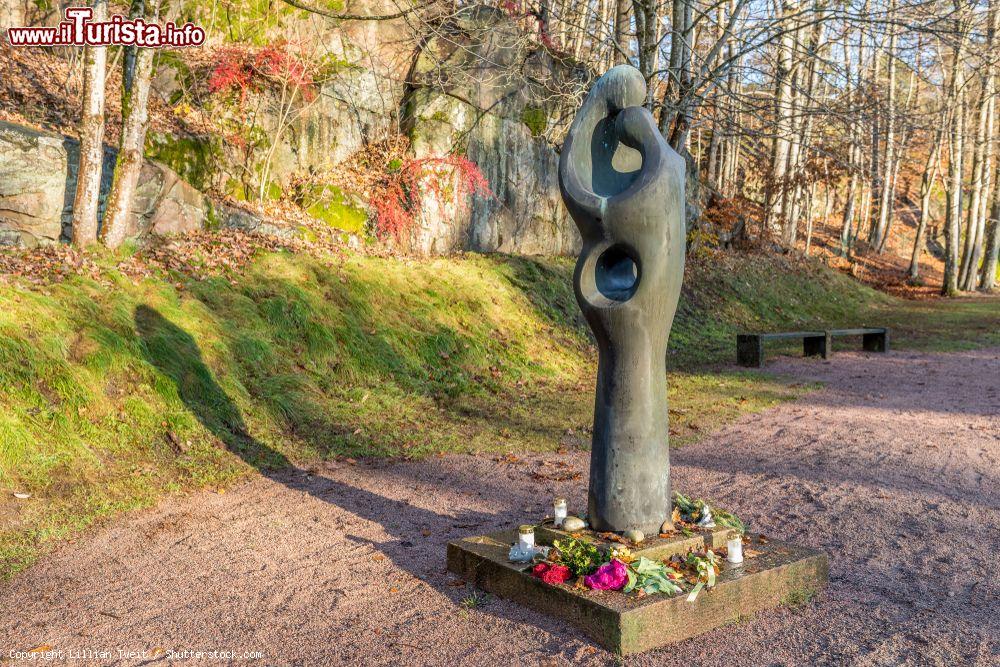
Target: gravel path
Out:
[893,469]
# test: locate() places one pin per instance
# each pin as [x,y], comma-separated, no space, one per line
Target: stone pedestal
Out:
[772,573]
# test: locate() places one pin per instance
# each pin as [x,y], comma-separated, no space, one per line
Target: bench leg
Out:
[813,346]
[749,350]
[875,342]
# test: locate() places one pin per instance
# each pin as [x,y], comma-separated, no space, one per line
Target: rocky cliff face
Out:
[487,91]
[38,181]
[482,88]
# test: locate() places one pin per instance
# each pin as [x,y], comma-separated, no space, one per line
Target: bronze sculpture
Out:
[624,187]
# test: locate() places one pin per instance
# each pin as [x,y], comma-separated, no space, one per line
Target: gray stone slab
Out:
[777,572]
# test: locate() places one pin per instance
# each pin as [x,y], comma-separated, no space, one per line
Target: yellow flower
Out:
[624,554]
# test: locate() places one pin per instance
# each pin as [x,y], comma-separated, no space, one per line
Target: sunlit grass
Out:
[115,394]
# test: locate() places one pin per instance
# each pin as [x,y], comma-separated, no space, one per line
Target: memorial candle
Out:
[526,537]
[559,511]
[735,550]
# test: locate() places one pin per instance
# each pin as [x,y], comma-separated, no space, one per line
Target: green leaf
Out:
[693,595]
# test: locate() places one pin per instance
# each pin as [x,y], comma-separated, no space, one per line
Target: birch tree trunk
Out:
[88,181]
[135,118]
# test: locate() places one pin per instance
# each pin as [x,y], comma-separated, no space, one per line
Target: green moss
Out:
[799,597]
[536,119]
[193,158]
[212,221]
[335,209]
[236,189]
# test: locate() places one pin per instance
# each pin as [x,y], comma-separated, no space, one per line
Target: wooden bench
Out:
[750,347]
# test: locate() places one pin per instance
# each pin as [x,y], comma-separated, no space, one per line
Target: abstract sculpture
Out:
[624,187]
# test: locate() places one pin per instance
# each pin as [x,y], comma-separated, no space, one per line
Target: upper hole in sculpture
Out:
[617,274]
[614,165]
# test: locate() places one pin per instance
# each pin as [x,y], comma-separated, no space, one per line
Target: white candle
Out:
[559,511]
[526,537]
[734,547]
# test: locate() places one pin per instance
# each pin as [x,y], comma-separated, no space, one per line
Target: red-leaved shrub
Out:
[398,201]
[242,70]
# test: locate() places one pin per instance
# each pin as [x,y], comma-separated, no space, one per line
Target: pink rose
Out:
[608,577]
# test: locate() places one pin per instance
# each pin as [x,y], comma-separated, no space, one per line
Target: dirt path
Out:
[893,469]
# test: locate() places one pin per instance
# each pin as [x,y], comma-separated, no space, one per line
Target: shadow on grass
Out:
[174,352]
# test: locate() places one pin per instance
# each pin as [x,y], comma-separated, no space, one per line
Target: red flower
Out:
[551,574]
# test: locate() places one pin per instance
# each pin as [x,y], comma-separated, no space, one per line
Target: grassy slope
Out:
[116,394]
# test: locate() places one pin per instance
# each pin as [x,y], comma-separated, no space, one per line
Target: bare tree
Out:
[135,119]
[88,179]
[988,275]
[957,102]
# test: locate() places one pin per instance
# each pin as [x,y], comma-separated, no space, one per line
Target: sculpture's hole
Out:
[617,274]
[614,166]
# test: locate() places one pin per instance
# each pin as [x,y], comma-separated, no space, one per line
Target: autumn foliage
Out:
[240,69]
[398,201]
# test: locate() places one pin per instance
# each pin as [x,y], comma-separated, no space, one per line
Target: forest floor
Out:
[891,469]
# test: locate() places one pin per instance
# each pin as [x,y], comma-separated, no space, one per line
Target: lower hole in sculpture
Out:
[617,274]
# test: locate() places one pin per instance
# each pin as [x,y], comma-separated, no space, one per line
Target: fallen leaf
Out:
[40,649]
[22,496]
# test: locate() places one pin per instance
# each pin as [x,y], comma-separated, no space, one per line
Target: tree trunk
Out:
[926,187]
[135,118]
[978,166]
[988,274]
[621,31]
[775,194]
[982,170]
[953,216]
[88,180]
[888,195]
[137,10]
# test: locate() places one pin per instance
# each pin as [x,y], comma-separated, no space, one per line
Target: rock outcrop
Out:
[485,88]
[494,107]
[38,173]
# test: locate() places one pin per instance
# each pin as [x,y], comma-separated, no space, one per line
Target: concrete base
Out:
[776,572]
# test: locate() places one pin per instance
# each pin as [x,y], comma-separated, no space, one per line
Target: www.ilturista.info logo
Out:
[78,30]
